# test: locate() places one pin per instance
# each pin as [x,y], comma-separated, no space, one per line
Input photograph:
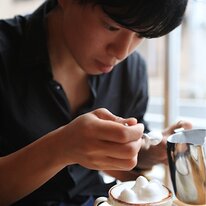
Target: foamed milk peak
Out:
[128,195]
[140,183]
[144,191]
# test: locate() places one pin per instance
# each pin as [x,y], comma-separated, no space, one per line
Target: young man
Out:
[69,83]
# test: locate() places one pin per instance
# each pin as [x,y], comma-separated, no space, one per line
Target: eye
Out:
[110,27]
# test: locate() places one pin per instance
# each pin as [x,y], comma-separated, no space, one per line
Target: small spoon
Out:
[151,138]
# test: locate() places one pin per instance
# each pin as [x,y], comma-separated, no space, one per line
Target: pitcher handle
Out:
[101,201]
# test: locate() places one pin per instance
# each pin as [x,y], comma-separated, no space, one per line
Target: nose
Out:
[123,45]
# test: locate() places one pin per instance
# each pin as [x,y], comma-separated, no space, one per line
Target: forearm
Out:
[27,169]
[24,171]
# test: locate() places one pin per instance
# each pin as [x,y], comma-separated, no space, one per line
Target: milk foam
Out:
[141,191]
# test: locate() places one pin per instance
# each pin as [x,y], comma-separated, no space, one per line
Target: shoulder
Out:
[11,32]
[135,58]
[18,31]
[134,69]
[136,64]
[11,38]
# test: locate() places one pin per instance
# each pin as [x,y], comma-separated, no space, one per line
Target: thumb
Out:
[181,124]
[105,114]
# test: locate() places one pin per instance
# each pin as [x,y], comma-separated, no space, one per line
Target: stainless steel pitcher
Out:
[187,162]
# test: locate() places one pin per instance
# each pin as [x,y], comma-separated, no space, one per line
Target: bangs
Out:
[149,18]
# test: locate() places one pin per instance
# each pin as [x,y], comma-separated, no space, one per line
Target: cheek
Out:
[81,37]
[92,44]
[72,38]
[136,43]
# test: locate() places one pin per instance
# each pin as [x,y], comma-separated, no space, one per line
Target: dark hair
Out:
[149,18]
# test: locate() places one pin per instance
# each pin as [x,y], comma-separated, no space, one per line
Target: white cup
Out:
[115,191]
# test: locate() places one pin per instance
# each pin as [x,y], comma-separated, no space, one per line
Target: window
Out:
[177,71]
[9,8]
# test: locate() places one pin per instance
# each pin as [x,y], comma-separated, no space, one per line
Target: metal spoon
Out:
[151,138]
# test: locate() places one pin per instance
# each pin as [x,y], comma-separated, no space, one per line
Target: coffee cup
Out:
[137,193]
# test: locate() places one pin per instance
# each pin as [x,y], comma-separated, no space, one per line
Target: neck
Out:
[65,69]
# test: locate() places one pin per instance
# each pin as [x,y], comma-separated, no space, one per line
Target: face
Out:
[95,41]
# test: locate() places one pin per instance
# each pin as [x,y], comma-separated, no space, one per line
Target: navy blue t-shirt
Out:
[32,103]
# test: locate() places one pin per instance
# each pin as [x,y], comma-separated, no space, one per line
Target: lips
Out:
[105,68]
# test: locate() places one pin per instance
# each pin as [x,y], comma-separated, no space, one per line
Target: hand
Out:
[100,140]
[158,154]
[181,124]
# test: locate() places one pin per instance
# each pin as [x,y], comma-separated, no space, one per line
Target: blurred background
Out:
[176,68]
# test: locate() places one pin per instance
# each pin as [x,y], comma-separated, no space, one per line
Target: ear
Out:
[62,3]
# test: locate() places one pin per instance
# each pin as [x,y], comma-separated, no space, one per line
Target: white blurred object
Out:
[152,138]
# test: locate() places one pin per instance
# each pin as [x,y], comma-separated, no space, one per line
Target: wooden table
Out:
[179,203]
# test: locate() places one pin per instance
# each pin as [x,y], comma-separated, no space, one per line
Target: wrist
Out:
[59,143]
[54,148]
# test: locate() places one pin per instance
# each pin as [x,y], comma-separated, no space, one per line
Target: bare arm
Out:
[95,140]
[27,169]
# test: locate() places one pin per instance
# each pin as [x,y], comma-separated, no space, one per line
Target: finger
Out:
[105,114]
[184,124]
[181,124]
[115,132]
[109,163]
[130,121]
[121,151]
